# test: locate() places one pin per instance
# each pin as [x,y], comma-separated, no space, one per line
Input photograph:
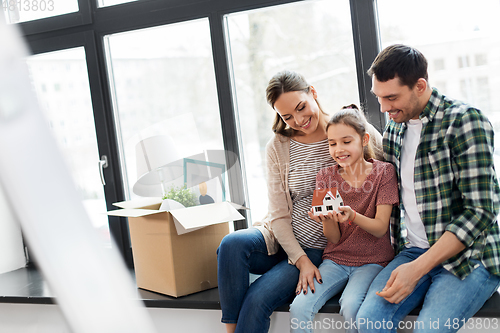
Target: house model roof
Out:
[319,195]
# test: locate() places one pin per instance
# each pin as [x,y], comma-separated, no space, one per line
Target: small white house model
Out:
[326,200]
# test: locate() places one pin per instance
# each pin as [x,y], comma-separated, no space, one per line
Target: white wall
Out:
[11,244]
[35,318]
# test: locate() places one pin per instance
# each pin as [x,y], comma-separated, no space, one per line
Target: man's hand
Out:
[404,278]
[401,283]
[308,272]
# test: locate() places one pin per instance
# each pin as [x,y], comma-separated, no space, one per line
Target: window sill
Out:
[27,286]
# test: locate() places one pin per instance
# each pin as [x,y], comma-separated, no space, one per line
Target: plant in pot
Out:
[178,197]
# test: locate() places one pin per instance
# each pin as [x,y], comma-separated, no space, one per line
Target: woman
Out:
[287,246]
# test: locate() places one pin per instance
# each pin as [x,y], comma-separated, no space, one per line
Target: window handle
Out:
[103,163]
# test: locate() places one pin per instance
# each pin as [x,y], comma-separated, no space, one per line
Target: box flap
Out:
[138,203]
[133,212]
[181,230]
[204,215]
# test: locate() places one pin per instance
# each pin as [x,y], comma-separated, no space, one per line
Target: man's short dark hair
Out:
[405,62]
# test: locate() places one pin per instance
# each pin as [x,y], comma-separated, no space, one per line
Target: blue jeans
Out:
[356,281]
[448,302]
[250,306]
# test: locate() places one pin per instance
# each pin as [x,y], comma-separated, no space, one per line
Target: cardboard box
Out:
[171,262]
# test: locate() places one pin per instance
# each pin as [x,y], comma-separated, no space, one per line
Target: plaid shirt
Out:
[455,182]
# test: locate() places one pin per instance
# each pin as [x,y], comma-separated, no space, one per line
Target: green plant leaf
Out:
[182,195]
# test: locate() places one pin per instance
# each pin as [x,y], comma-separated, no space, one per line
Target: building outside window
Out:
[470,41]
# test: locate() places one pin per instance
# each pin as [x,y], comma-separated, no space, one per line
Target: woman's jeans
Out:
[448,302]
[250,306]
[356,281]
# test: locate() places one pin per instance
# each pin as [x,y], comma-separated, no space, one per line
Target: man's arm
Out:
[475,178]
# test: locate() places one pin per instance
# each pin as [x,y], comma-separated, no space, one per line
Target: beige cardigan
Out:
[276,226]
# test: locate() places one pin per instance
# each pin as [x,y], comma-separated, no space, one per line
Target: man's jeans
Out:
[448,302]
[243,252]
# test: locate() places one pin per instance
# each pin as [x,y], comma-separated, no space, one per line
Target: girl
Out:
[358,239]
[288,244]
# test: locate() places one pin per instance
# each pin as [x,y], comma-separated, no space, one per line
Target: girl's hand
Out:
[346,213]
[330,223]
[321,218]
[308,272]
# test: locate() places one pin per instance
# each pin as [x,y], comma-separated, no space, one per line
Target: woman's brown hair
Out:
[283,82]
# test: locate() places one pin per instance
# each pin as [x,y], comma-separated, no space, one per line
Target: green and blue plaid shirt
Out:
[455,182]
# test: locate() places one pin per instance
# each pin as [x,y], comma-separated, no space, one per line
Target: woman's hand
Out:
[308,272]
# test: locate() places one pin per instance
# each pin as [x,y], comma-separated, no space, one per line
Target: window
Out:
[440,84]
[463,61]
[61,84]
[313,38]
[329,208]
[481,59]
[483,93]
[16,11]
[474,27]
[163,82]
[438,64]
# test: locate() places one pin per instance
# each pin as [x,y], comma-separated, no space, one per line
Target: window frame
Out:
[88,27]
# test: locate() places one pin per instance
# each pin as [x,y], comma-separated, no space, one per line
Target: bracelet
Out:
[350,221]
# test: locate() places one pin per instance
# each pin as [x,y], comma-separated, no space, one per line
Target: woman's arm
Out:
[279,202]
[280,206]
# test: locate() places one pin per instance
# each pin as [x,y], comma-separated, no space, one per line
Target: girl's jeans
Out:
[250,306]
[356,281]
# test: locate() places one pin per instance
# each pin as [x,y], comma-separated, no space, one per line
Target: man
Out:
[445,231]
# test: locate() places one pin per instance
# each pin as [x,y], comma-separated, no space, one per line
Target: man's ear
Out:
[421,86]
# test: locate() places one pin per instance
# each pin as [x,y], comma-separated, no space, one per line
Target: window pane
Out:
[163,83]
[462,52]
[61,83]
[105,3]
[16,11]
[313,38]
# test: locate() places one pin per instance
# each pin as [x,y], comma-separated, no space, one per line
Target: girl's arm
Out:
[330,222]
[377,226]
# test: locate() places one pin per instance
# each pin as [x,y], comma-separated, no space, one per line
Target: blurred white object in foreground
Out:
[93,287]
